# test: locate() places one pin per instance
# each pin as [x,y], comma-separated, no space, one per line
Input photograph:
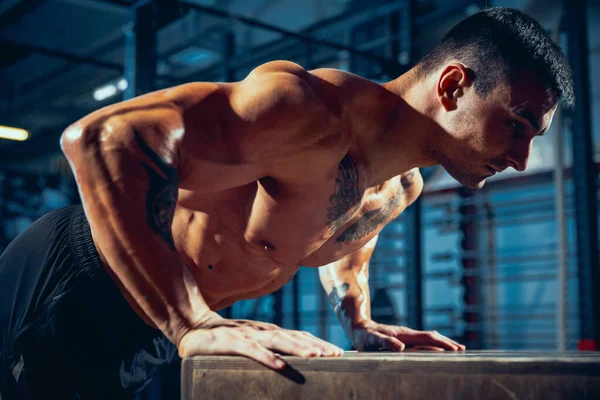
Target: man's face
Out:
[491,133]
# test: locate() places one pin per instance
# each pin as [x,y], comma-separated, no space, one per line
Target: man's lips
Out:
[492,170]
[495,169]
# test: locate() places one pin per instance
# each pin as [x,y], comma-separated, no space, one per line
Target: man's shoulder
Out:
[280,66]
[343,79]
[292,68]
[324,81]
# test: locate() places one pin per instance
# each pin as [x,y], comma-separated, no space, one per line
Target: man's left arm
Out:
[347,284]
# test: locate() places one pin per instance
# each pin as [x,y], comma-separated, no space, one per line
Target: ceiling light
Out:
[122,84]
[194,57]
[105,92]
[13,133]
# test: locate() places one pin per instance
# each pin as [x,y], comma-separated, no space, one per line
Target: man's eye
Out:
[517,129]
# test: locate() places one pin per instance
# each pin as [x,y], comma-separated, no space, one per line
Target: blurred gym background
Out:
[512,266]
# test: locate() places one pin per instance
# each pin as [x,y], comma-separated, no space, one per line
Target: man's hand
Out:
[256,340]
[371,336]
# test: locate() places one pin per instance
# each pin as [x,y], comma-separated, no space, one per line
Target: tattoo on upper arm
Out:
[336,296]
[408,179]
[162,194]
[346,197]
[371,220]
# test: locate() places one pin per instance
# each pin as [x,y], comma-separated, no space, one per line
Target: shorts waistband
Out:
[82,245]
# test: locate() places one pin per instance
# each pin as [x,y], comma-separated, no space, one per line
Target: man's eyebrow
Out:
[529,116]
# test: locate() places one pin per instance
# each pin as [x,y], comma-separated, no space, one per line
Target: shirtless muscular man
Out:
[200,195]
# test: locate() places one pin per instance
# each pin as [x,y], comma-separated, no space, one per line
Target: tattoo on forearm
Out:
[336,296]
[346,197]
[371,220]
[162,194]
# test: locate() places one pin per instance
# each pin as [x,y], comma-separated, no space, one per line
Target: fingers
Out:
[394,344]
[414,338]
[433,338]
[327,349]
[308,345]
[461,347]
[254,350]
[297,343]
[223,341]
[283,342]
[235,343]
[415,341]
[380,341]
[423,348]
[256,344]
[458,346]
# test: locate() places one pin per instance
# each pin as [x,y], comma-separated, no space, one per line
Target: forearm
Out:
[130,198]
[348,290]
[149,272]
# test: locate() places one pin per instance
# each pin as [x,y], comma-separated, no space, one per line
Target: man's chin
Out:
[474,185]
[470,181]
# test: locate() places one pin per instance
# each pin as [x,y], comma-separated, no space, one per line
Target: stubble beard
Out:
[458,172]
[456,168]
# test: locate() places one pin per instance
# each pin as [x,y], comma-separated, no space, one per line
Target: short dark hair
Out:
[499,43]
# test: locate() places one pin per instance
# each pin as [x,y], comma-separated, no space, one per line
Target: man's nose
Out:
[519,158]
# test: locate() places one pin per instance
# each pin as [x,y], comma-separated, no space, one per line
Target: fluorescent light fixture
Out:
[122,84]
[194,56]
[9,133]
[105,92]
[472,9]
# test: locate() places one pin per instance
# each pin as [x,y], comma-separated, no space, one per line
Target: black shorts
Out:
[66,331]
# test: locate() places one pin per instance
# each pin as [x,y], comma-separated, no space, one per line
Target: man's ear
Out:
[452,81]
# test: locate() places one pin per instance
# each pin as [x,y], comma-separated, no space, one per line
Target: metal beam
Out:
[414,269]
[385,63]
[101,5]
[227,52]
[63,55]
[278,307]
[140,51]
[18,11]
[405,24]
[470,264]
[175,81]
[296,303]
[584,174]
[119,3]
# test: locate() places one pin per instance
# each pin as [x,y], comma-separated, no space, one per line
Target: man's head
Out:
[498,79]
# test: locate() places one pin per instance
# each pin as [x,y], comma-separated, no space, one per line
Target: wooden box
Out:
[469,375]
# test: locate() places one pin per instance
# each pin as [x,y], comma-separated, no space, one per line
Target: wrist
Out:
[357,326]
[362,324]
[359,331]
[206,320]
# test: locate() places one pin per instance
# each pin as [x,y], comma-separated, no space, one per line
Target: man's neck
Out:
[404,139]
